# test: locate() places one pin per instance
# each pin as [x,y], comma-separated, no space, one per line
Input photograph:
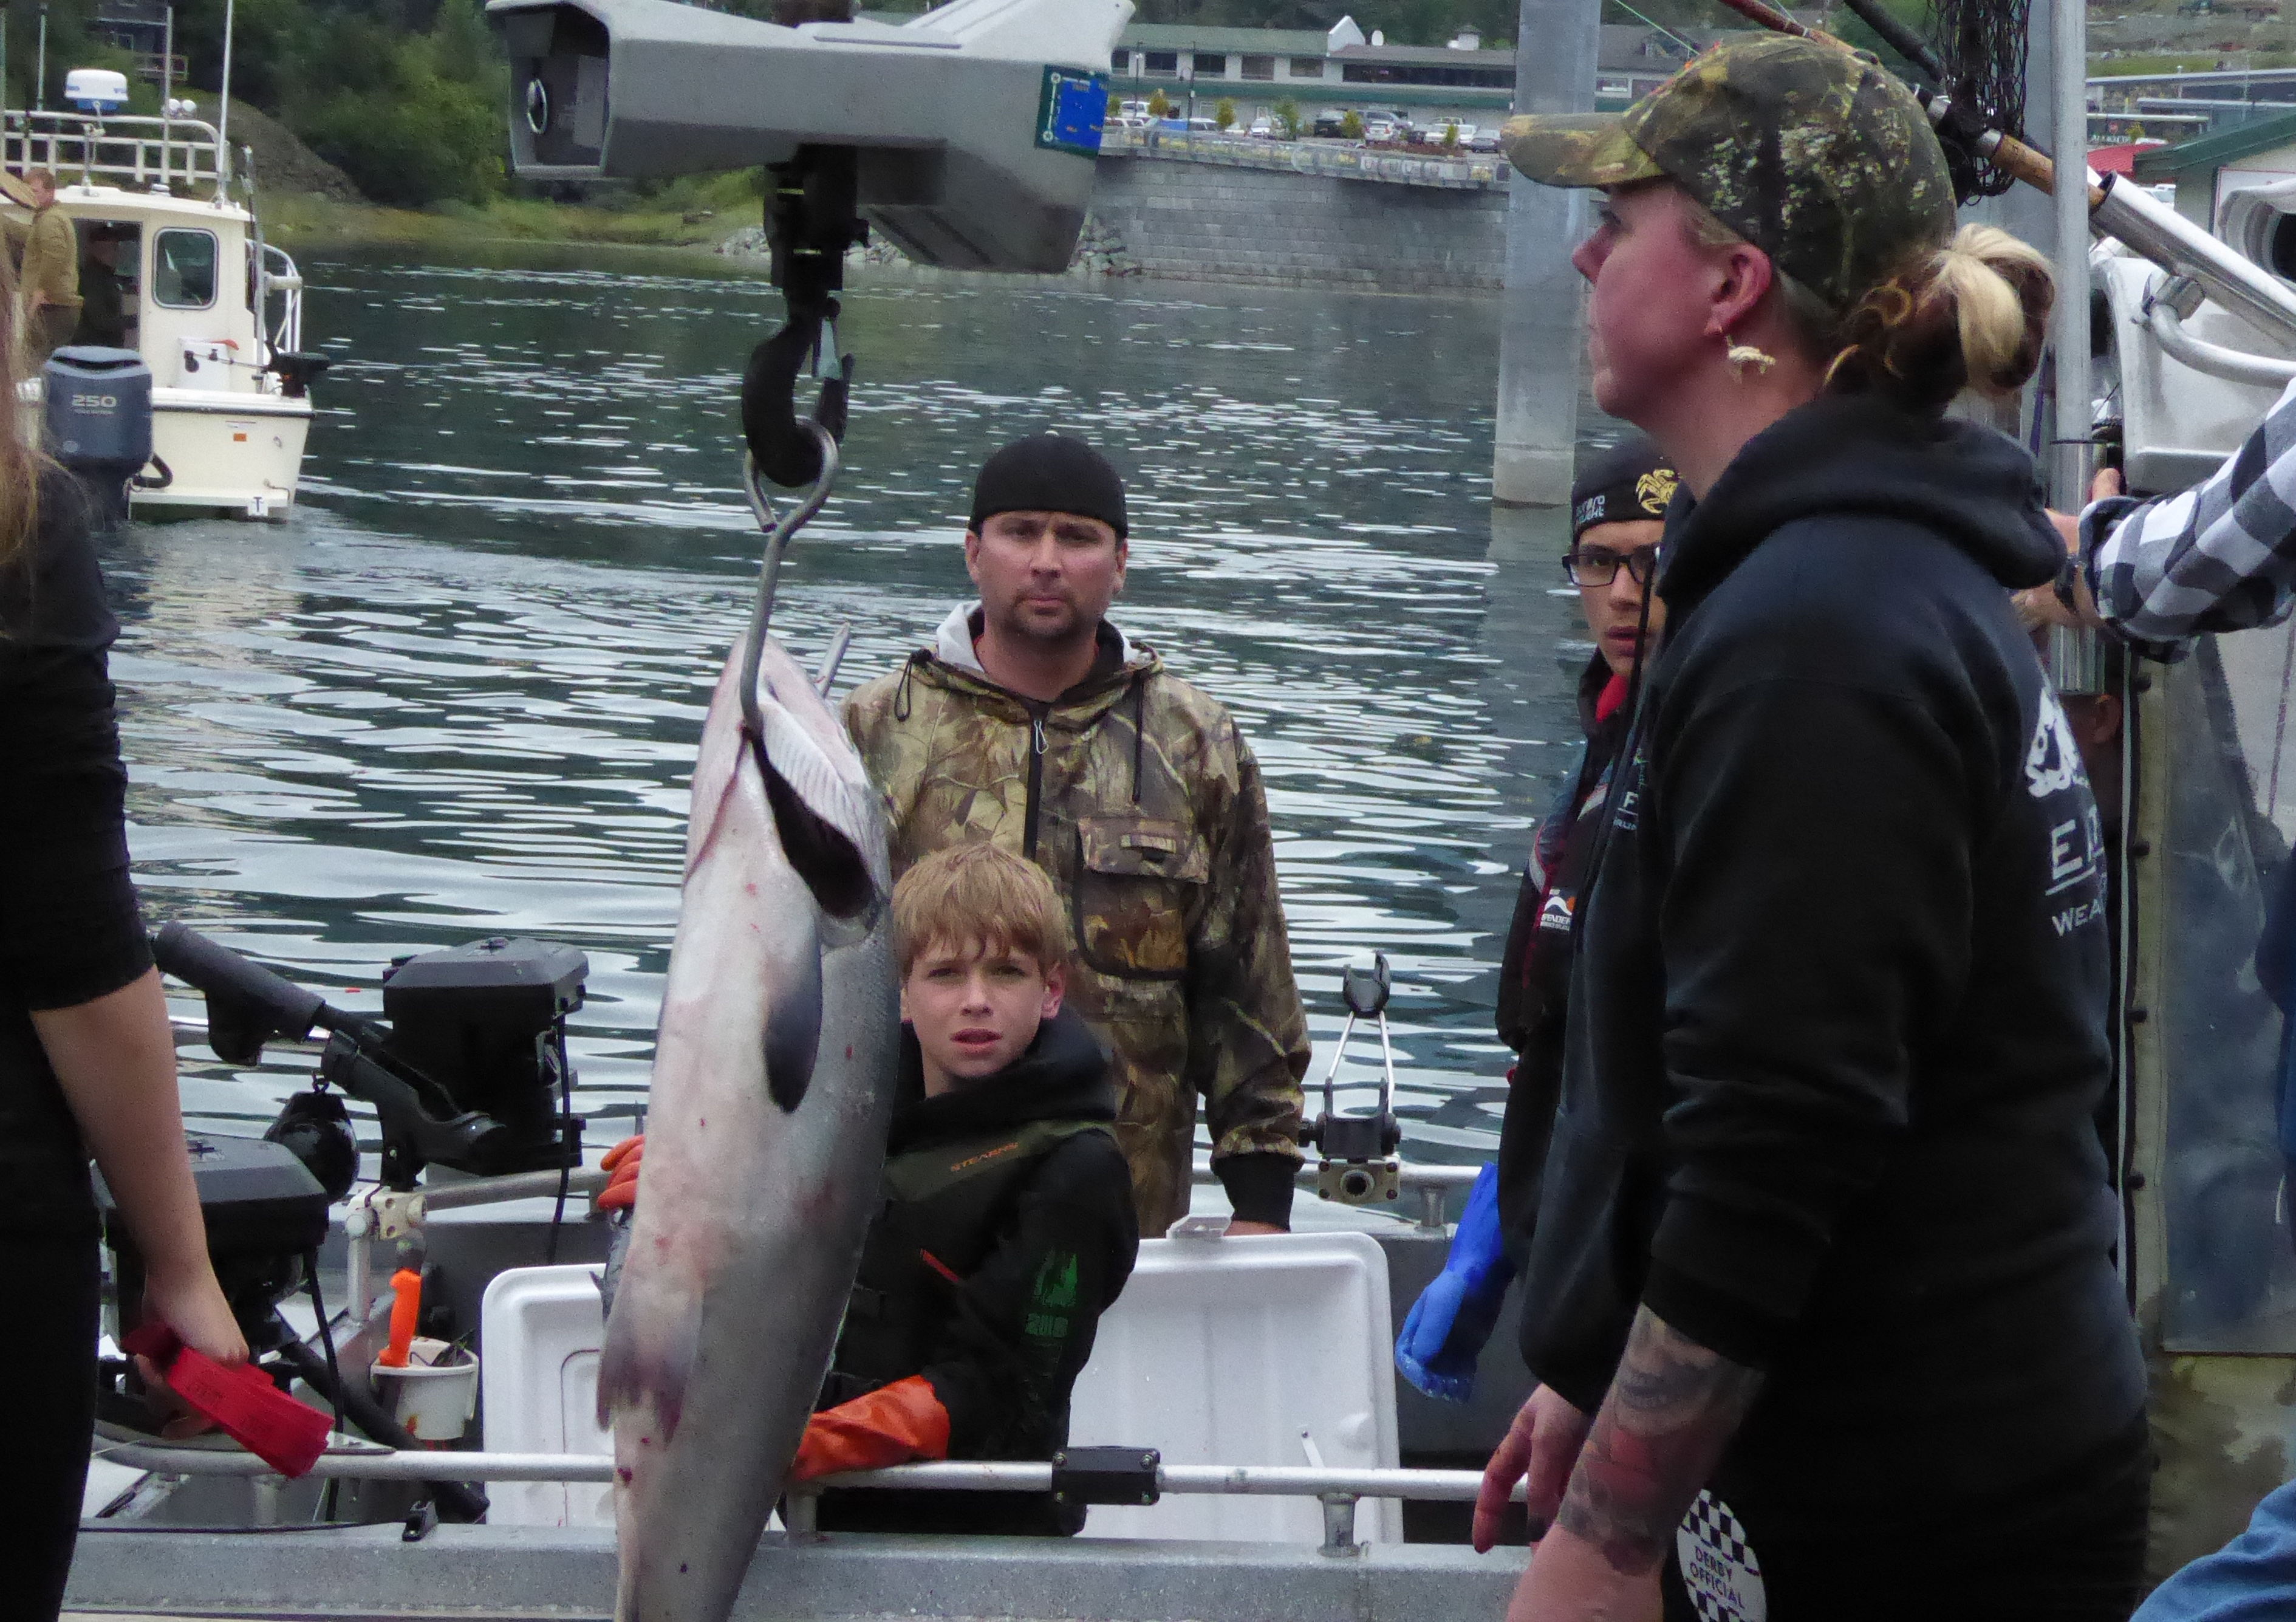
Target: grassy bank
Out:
[664,219]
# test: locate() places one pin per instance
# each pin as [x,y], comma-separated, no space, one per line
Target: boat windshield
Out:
[183,268]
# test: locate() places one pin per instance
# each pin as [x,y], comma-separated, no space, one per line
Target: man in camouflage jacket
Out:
[1139,797]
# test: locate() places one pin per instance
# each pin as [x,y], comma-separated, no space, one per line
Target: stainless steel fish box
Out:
[487,1022]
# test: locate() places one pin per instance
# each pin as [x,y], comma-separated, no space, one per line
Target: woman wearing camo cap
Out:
[1820,1292]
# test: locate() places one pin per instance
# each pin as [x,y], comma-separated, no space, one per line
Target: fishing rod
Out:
[2125,212]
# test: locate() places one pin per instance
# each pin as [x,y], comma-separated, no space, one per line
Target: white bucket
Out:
[436,1394]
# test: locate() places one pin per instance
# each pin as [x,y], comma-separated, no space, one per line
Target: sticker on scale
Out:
[1719,1568]
[239,431]
[1070,109]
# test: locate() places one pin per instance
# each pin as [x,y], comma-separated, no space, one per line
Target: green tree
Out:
[1287,114]
[1450,137]
[413,119]
[1160,105]
[1351,125]
[1225,116]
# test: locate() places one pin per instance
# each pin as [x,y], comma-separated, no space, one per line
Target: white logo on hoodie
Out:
[2053,762]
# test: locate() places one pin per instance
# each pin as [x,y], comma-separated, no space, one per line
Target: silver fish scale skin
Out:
[749,1227]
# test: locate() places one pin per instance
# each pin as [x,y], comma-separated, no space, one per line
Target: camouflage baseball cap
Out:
[1812,153]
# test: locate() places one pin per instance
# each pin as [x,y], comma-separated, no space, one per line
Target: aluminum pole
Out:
[167,95]
[40,85]
[223,116]
[356,1462]
[2069,325]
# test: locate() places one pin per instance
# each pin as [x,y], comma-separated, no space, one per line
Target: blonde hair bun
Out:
[1974,314]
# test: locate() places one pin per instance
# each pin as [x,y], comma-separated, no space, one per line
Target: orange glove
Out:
[621,1191]
[891,1425]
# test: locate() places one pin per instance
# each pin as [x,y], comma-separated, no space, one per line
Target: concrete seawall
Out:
[1207,222]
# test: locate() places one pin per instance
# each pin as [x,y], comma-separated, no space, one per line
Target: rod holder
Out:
[1339,1527]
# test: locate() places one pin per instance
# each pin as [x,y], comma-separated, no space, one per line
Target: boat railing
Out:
[1339,1488]
[277,277]
[141,154]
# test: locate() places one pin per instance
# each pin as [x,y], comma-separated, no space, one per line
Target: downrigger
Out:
[1359,1165]
[467,1070]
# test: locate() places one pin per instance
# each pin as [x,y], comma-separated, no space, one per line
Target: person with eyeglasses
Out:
[1617,514]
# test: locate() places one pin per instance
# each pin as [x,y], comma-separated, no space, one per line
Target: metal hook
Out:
[778,532]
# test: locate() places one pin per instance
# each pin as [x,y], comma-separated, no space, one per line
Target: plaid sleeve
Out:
[2218,557]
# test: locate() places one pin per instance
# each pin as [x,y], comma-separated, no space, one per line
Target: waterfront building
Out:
[2208,170]
[1464,82]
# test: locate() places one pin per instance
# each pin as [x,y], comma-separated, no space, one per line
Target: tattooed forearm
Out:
[1672,1407]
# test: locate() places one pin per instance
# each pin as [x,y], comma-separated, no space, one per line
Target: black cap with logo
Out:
[1626,484]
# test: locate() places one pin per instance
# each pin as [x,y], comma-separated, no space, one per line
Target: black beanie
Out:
[1624,484]
[1048,473]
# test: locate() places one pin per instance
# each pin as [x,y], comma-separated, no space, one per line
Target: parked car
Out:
[1203,127]
[1486,140]
[1381,132]
[1262,126]
[1330,125]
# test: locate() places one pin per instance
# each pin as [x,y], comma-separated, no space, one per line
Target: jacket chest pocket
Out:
[1139,881]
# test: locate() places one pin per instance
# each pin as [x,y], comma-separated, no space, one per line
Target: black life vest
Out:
[943,1204]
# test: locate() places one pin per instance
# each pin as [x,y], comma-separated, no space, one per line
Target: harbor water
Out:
[457,695]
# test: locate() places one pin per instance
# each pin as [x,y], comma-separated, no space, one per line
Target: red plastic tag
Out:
[283,1433]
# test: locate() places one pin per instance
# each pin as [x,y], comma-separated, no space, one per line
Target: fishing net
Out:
[1982,44]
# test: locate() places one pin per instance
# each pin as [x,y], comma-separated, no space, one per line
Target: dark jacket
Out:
[1535,968]
[1837,1024]
[70,929]
[1007,1231]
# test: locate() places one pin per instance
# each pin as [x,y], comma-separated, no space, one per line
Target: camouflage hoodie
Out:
[1148,815]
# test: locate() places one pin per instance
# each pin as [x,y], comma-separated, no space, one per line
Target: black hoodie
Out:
[1837,1016]
[1006,1230]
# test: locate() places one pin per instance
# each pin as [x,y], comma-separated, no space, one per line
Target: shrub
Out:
[1160,105]
[423,122]
[1287,115]
[1225,116]
[1351,125]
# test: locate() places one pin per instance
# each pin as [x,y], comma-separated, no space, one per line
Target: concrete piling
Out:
[1541,329]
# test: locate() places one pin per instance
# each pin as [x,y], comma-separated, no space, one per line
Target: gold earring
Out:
[1740,355]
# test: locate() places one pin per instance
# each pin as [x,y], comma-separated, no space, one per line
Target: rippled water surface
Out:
[458,694]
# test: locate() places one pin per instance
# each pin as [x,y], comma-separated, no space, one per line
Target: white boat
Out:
[215,311]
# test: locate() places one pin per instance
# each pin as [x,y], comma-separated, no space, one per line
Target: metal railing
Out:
[1339,1488]
[1468,171]
[277,277]
[168,154]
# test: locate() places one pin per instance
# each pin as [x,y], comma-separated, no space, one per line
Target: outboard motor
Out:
[99,421]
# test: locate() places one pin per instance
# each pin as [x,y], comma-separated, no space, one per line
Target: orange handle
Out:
[406,1285]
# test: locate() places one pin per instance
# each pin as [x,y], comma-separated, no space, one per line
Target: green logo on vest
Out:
[1055,1297]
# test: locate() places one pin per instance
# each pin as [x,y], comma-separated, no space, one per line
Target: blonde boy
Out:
[1007,1225]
